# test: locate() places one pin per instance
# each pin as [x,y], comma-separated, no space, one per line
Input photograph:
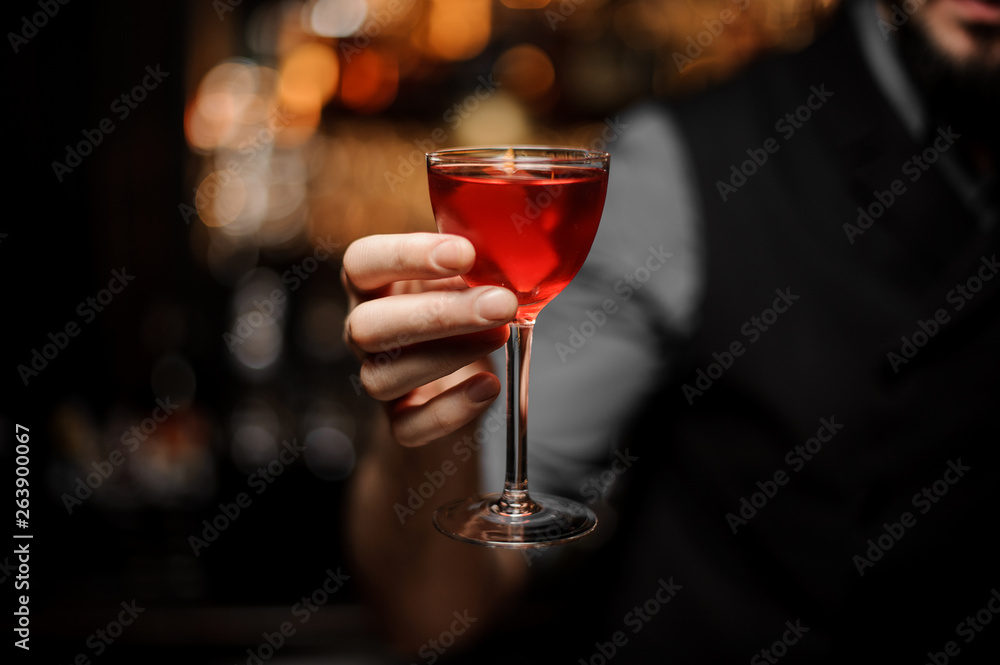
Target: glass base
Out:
[550,520]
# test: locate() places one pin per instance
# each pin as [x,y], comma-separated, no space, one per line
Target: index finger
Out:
[376,261]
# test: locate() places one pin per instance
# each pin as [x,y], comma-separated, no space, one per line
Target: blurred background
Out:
[185,177]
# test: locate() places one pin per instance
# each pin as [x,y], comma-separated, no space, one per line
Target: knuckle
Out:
[345,281]
[348,334]
[360,329]
[403,434]
[377,377]
[424,424]
[443,420]
[350,260]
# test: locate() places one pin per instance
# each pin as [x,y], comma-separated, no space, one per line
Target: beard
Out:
[965,95]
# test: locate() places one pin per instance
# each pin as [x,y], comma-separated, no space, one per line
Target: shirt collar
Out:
[880,51]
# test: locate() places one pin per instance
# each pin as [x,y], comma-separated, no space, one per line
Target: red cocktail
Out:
[531,214]
[532,228]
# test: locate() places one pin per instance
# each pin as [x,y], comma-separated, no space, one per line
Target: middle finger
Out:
[386,323]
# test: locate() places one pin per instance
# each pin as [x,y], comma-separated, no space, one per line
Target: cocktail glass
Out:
[531,213]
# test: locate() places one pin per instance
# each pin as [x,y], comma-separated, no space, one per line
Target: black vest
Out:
[825,482]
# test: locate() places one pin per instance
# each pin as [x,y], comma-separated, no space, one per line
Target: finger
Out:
[392,374]
[416,424]
[374,262]
[407,286]
[385,324]
[421,285]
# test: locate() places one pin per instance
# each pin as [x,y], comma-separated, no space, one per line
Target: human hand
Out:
[422,335]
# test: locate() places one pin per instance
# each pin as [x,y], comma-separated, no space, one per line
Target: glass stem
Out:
[515,499]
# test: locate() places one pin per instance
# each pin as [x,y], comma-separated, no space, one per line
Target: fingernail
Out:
[494,305]
[483,388]
[449,255]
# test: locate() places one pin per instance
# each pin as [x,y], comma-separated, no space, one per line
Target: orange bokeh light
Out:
[370,81]
[457,29]
[526,71]
[308,78]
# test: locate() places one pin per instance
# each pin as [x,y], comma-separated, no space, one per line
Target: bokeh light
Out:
[256,329]
[496,119]
[334,18]
[308,78]
[526,71]
[456,29]
[329,453]
[370,81]
[225,92]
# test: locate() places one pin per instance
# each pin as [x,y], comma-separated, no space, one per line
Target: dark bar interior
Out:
[186,177]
